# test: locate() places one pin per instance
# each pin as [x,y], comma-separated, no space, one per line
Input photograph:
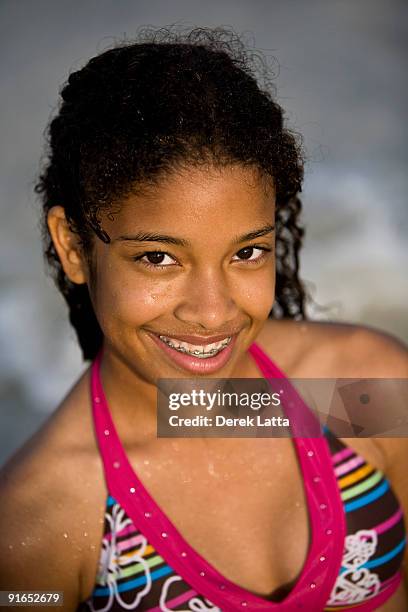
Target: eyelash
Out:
[148,264]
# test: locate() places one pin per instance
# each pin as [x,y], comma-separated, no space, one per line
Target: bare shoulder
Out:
[374,353]
[338,350]
[334,350]
[42,495]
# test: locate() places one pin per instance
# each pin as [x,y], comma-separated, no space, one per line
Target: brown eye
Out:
[155,260]
[252,254]
[155,257]
[246,253]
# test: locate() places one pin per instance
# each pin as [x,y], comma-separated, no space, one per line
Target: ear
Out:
[67,245]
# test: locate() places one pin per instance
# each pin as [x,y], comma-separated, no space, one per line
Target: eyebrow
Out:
[152,237]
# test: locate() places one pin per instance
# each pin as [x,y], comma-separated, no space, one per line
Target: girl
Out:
[170,216]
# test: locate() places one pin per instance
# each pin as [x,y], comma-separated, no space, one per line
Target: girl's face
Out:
[190,268]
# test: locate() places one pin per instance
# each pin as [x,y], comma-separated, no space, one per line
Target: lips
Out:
[202,350]
[193,363]
[198,340]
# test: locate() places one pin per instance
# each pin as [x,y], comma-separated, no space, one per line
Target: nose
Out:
[207,301]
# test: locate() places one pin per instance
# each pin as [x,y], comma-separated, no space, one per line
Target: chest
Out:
[223,500]
[239,503]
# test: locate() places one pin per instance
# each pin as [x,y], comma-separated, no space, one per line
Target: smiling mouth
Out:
[201,351]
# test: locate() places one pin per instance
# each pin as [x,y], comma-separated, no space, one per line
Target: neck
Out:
[131,399]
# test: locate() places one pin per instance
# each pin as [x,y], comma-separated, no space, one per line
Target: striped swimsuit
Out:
[354,558]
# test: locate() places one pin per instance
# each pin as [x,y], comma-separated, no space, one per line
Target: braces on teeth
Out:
[197,353]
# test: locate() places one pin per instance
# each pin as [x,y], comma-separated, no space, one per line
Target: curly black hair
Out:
[141,108]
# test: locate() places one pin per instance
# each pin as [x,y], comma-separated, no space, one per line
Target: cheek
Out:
[257,293]
[130,301]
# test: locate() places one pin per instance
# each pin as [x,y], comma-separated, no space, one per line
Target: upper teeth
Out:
[194,349]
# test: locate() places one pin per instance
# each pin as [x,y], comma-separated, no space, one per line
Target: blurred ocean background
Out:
[340,71]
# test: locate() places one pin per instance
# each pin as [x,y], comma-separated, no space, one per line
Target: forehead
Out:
[206,198]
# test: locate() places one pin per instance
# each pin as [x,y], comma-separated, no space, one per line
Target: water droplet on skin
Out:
[23,543]
[211,470]
[146,462]
[65,535]
[10,546]
[85,533]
